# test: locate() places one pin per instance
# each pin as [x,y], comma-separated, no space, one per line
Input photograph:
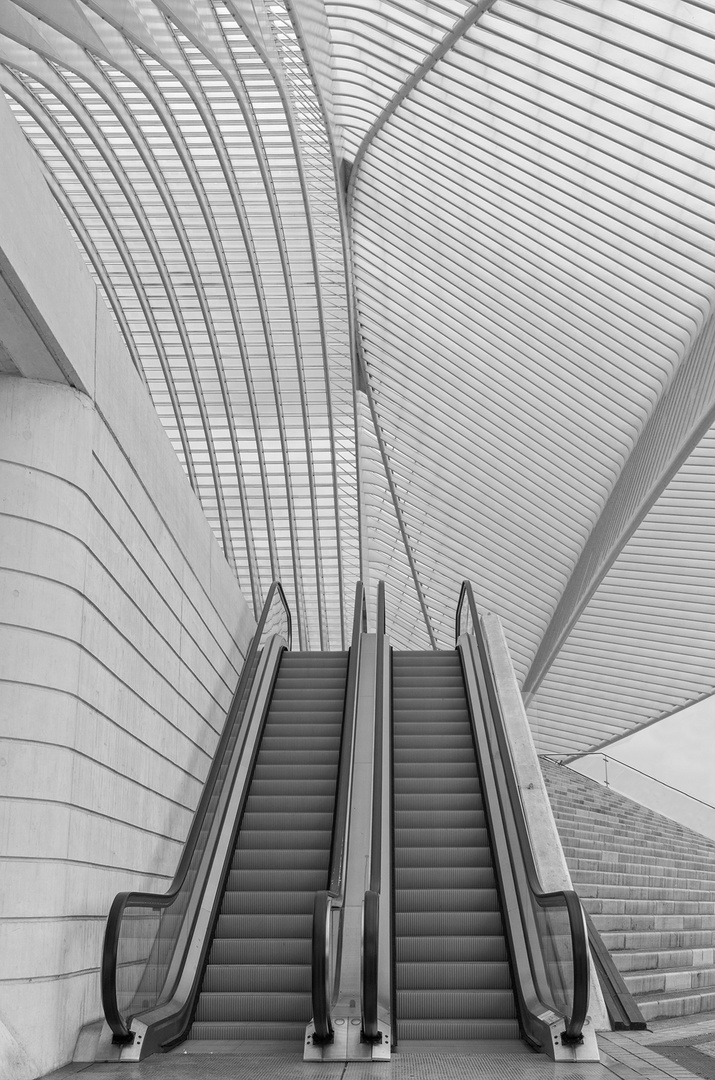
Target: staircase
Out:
[649,885]
[258,976]
[452,971]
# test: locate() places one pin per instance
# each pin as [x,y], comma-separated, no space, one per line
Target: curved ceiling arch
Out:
[420,291]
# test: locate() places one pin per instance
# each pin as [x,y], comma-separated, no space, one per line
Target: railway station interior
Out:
[357,483]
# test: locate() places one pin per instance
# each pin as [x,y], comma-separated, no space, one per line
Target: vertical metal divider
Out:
[393,952]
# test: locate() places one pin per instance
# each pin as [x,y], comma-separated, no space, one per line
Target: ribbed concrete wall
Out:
[121,633]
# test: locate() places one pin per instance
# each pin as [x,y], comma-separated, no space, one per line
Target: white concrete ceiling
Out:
[464,248]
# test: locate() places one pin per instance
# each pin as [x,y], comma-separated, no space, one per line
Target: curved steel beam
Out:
[315,260]
[78,226]
[122,28]
[47,77]
[26,101]
[180,68]
[137,33]
[680,419]
[340,189]
[192,31]
[441,49]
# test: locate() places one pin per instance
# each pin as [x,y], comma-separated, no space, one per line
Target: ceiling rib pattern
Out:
[529,233]
[186,146]
[645,645]
[531,328]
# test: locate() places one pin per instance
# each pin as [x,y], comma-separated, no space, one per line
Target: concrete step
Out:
[663,959]
[670,980]
[611,906]
[659,939]
[686,1003]
[649,884]
[605,889]
[588,875]
[653,921]
[639,857]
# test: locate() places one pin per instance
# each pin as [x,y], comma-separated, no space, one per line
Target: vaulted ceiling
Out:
[421,291]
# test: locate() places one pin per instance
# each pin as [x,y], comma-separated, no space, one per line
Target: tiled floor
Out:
[624,1056]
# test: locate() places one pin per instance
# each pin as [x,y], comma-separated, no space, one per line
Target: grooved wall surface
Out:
[121,636]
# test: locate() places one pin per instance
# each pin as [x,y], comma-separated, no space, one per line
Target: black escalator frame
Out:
[120,1025]
[568,898]
[622,1007]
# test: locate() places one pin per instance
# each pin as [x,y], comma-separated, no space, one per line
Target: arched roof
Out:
[421,291]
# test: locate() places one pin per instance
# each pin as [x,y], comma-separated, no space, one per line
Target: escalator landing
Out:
[623,1054]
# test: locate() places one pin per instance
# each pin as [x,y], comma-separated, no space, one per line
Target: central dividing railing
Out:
[324,957]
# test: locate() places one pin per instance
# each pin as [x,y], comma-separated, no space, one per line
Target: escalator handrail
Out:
[342,792]
[321,910]
[371,923]
[544,898]
[118,1024]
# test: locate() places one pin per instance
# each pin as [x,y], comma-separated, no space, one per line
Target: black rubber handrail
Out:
[321,992]
[118,1024]
[622,1007]
[559,898]
[371,906]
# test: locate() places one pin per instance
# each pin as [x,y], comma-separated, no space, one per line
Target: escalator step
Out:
[257,978]
[457,976]
[447,923]
[428,743]
[449,857]
[441,838]
[299,841]
[416,755]
[315,821]
[286,772]
[301,742]
[264,858]
[429,785]
[444,877]
[433,770]
[283,902]
[462,1004]
[285,787]
[434,900]
[299,758]
[234,1031]
[447,950]
[306,803]
[276,879]
[438,716]
[442,819]
[252,951]
[457,1030]
[264,926]
[254,1007]
[442,800]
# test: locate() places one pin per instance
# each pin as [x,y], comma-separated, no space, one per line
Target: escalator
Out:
[225,953]
[452,971]
[257,982]
[268,926]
